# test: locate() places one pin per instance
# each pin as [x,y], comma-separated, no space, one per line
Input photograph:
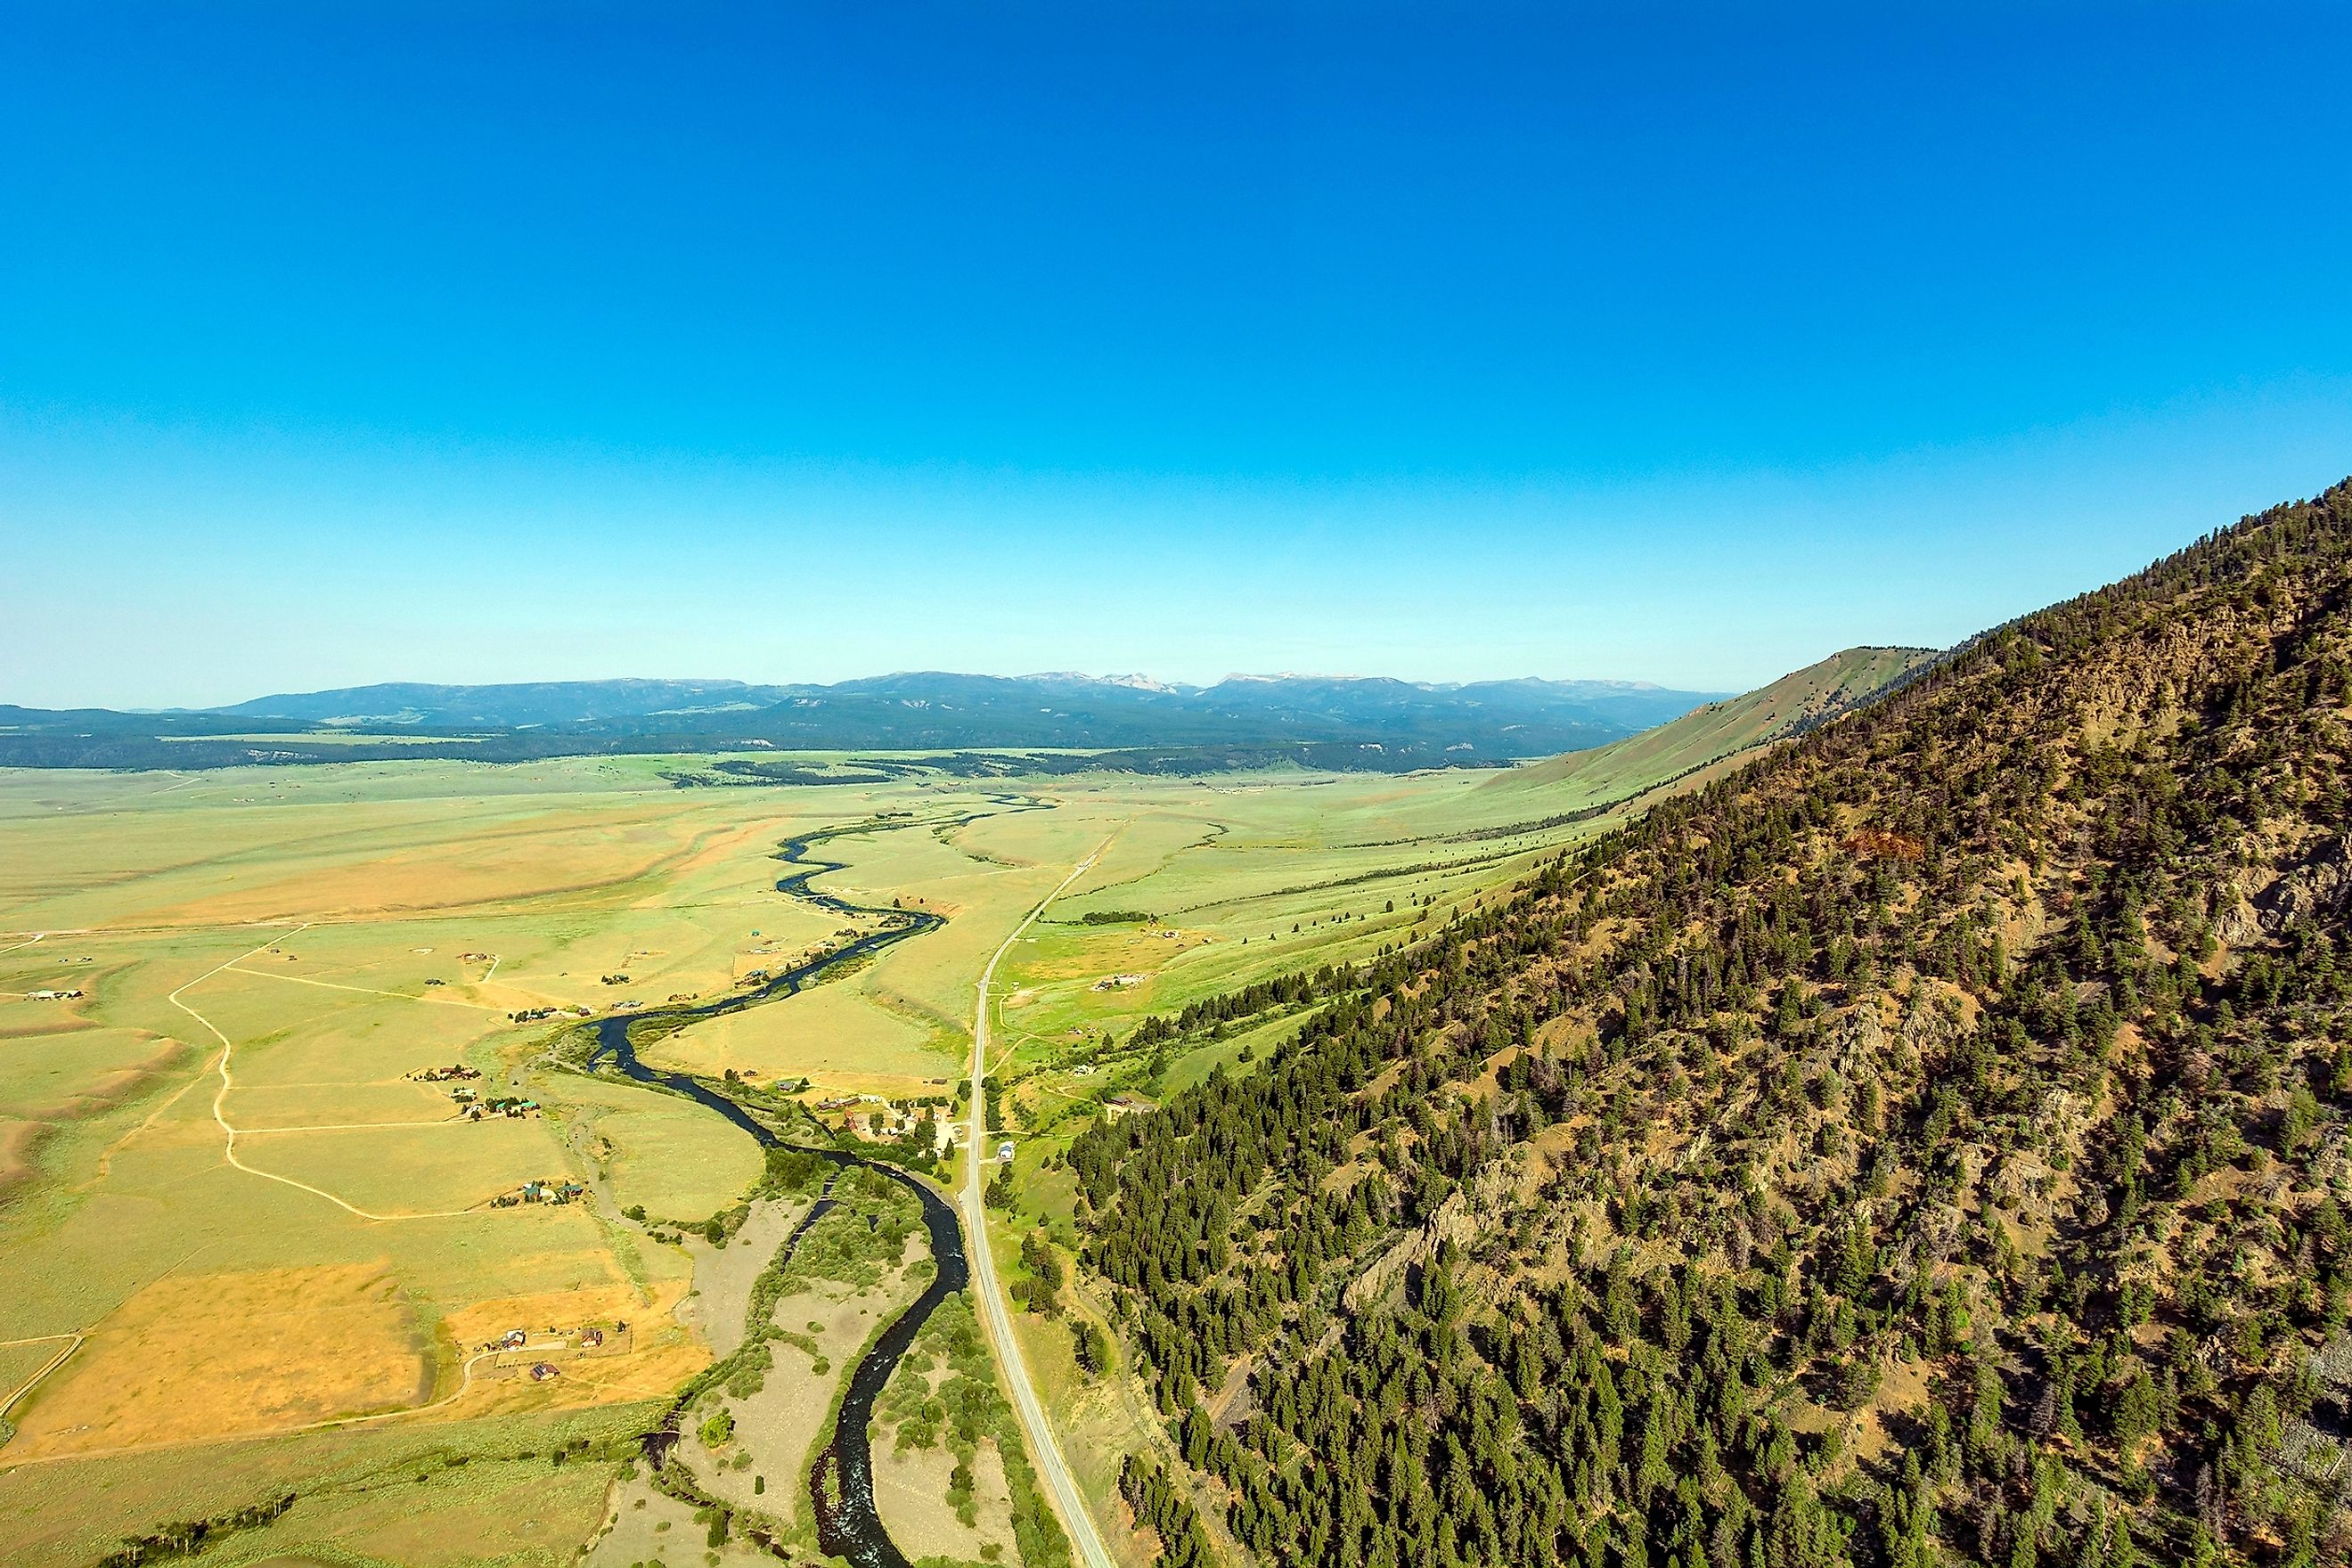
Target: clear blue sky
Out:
[353,341]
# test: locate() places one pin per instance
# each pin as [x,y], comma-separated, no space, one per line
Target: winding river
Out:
[841,1484]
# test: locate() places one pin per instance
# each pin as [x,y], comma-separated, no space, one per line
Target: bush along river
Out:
[841,1484]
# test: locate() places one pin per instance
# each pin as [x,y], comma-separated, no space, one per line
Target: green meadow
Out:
[229,1138]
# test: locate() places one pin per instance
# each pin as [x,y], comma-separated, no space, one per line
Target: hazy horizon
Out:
[1108,678]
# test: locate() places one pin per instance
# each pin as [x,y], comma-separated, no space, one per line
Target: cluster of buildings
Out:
[565,1192]
[521,1352]
[513,1107]
[58,992]
[533,1015]
[880,1120]
[1120,982]
[588,1338]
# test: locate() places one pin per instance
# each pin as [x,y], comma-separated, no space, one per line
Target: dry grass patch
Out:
[652,1358]
[432,1169]
[547,855]
[201,1357]
[910,1492]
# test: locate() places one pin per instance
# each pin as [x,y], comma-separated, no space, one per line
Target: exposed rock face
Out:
[2321,885]
[2240,925]
[1452,1222]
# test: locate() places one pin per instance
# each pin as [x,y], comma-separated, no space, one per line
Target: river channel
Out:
[841,1484]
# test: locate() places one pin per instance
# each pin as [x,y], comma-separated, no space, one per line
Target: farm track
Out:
[220,1098]
[362,990]
[47,1367]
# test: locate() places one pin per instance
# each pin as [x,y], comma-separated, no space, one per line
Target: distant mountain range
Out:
[1318,720]
[522,705]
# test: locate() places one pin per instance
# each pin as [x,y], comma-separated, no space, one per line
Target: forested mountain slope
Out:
[1927,1145]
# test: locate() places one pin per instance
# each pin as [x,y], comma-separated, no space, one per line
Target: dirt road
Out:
[1084,1539]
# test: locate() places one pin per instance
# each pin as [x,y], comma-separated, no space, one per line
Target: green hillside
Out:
[1789,706]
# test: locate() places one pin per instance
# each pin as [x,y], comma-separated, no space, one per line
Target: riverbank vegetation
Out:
[945,1396]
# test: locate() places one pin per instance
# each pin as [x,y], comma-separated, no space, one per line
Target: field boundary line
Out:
[47,1367]
[354,1126]
[362,990]
[220,1097]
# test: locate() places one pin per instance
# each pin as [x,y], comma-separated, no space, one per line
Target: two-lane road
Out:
[1043,1446]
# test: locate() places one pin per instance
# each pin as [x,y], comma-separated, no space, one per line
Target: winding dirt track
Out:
[220,1098]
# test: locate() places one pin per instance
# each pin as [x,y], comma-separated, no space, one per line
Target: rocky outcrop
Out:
[2322,885]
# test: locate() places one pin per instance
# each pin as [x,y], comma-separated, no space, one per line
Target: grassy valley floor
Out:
[258,1238]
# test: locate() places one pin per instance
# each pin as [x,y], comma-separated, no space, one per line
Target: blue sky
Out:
[1686,343]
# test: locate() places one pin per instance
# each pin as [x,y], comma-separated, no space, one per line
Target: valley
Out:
[649,1160]
[320,1084]
[1173,786]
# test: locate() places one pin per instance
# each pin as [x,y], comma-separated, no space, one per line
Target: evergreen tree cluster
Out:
[1930,1143]
[1283,991]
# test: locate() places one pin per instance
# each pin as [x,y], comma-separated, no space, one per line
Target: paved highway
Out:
[1084,1539]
